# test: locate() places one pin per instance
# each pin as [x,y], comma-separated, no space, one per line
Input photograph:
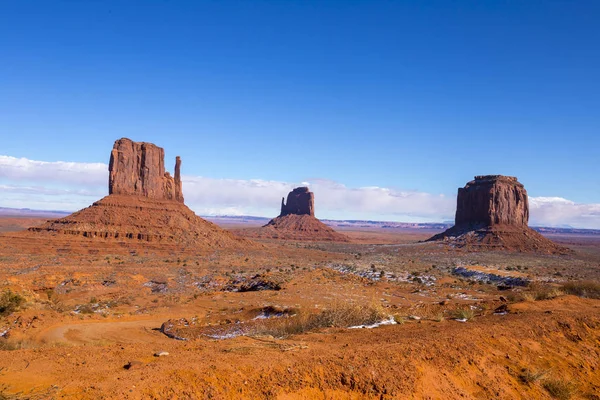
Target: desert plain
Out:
[274,319]
[137,297]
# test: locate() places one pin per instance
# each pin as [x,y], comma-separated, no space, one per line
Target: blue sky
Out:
[407,96]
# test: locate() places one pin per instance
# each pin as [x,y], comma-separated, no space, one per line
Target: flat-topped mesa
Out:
[492,200]
[300,201]
[138,169]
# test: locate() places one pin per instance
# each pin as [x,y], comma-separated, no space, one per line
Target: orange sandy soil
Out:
[59,346]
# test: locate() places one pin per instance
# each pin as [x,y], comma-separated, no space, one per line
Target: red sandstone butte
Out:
[300,201]
[492,212]
[138,168]
[144,204]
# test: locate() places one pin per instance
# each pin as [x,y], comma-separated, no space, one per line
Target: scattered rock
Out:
[502,309]
[487,277]
[161,354]
[135,364]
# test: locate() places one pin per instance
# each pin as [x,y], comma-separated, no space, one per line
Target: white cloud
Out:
[70,186]
[71,173]
[557,211]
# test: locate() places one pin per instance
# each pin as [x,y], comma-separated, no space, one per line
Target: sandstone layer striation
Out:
[138,168]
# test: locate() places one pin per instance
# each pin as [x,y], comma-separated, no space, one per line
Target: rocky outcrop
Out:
[492,213]
[297,221]
[145,204]
[492,200]
[138,169]
[300,201]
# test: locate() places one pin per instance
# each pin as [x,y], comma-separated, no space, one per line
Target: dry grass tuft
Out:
[528,376]
[339,315]
[464,314]
[559,389]
[542,292]
[587,289]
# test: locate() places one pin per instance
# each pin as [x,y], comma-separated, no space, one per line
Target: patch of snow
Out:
[389,321]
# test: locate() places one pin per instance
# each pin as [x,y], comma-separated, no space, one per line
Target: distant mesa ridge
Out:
[492,212]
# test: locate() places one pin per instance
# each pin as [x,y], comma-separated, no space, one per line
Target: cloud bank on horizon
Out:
[70,186]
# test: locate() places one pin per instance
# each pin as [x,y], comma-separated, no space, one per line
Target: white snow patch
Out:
[389,321]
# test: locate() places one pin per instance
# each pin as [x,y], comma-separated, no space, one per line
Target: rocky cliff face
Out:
[138,169]
[492,213]
[300,201]
[492,200]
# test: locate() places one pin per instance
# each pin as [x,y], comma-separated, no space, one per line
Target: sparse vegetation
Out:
[528,376]
[10,302]
[338,316]
[587,289]
[464,314]
[542,292]
[559,388]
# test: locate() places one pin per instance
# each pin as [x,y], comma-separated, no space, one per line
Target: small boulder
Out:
[135,364]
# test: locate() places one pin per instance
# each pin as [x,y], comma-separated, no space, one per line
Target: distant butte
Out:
[492,212]
[297,221]
[300,201]
[144,203]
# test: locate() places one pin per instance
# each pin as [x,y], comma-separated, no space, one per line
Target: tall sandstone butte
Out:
[300,201]
[297,221]
[144,203]
[492,200]
[138,168]
[492,212]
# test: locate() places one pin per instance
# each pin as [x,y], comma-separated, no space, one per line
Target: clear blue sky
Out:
[407,94]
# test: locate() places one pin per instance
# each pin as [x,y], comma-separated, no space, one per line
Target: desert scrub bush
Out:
[339,315]
[543,292]
[582,289]
[528,376]
[464,314]
[10,302]
[559,389]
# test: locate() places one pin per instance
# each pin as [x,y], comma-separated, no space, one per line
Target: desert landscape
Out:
[136,297]
[299,200]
